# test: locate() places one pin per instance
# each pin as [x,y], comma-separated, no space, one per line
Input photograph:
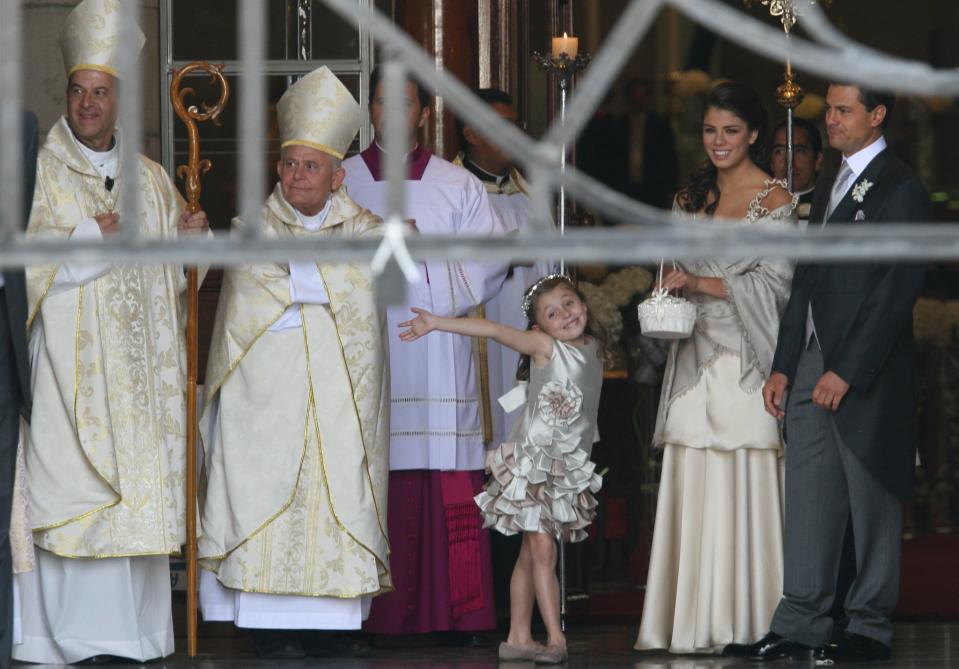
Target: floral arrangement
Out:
[623,285]
[613,302]
[936,321]
[603,308]
[936,328]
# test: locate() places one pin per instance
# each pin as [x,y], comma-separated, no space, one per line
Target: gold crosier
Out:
[190,173]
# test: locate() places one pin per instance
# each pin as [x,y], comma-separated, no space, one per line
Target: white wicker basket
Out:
[663,316]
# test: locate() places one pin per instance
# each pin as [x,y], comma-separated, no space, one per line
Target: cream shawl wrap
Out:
[746,324]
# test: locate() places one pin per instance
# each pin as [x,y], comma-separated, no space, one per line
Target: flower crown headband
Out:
[531,291]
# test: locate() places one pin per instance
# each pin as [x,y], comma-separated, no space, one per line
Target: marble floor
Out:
[926,645]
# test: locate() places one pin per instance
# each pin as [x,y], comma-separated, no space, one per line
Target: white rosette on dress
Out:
[546,483]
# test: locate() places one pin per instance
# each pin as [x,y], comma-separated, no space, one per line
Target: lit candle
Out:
[565,44]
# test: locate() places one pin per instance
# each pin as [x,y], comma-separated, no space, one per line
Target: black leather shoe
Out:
[824,655]
[776,647]
[352,644]
[859,648]
[277,645]
[736,650]
[96,660]
[338,644]
[99,660]
[466,640]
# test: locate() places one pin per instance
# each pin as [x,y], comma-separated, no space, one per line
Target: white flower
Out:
[559,403]
[860,190]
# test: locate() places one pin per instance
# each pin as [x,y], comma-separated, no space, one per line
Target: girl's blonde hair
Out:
[594,328]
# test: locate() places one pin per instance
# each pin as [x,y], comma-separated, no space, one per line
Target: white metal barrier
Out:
[654,233]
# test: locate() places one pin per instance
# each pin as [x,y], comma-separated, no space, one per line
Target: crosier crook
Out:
[191,173]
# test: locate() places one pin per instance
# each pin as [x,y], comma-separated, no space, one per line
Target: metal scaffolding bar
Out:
[11,122]
[252,39]
[614,246]
[131,123]
[653,233]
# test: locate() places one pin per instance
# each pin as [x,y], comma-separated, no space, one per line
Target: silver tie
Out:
[839,188]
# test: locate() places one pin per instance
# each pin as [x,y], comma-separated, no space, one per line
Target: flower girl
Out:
[542,481]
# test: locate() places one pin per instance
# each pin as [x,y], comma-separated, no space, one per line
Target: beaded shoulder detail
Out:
[756,210]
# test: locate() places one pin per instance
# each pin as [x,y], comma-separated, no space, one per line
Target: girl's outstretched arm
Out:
[527,342]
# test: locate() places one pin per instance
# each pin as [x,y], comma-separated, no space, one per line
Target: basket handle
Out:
[659,276]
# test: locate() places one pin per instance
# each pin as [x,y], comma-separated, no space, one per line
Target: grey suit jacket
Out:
[14,280]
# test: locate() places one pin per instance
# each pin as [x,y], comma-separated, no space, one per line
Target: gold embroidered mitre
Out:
[319,112]
[91,37]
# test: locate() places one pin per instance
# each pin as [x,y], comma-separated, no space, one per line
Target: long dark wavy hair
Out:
[594,328]
[745,103]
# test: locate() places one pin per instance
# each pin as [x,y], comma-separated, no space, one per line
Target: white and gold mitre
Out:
[91,37]
[319,112]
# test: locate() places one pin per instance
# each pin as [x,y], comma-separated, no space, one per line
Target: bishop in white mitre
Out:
[295,427]
[105,458]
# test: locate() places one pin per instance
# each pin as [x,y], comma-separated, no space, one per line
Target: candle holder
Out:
[564,69]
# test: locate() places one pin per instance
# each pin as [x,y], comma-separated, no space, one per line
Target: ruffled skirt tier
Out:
[547,488]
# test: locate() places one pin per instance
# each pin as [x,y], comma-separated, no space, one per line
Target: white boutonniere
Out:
[860,190]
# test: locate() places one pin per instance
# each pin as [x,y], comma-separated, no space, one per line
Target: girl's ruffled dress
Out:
[542,479]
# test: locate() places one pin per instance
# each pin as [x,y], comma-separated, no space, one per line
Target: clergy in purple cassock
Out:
[441,558]
[508,196]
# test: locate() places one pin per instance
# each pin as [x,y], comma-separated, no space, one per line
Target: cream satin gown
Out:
[716,566]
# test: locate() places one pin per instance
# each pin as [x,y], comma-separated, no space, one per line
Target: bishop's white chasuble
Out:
[105,457]
[295,433]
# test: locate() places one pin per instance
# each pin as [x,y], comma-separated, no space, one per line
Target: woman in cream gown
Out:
[715,573]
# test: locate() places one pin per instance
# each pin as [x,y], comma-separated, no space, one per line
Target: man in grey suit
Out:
[846,355]
[14,389]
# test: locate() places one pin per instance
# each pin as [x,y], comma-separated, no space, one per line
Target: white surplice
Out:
[511,204]
[435,415]
[287,612]
[74,609]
